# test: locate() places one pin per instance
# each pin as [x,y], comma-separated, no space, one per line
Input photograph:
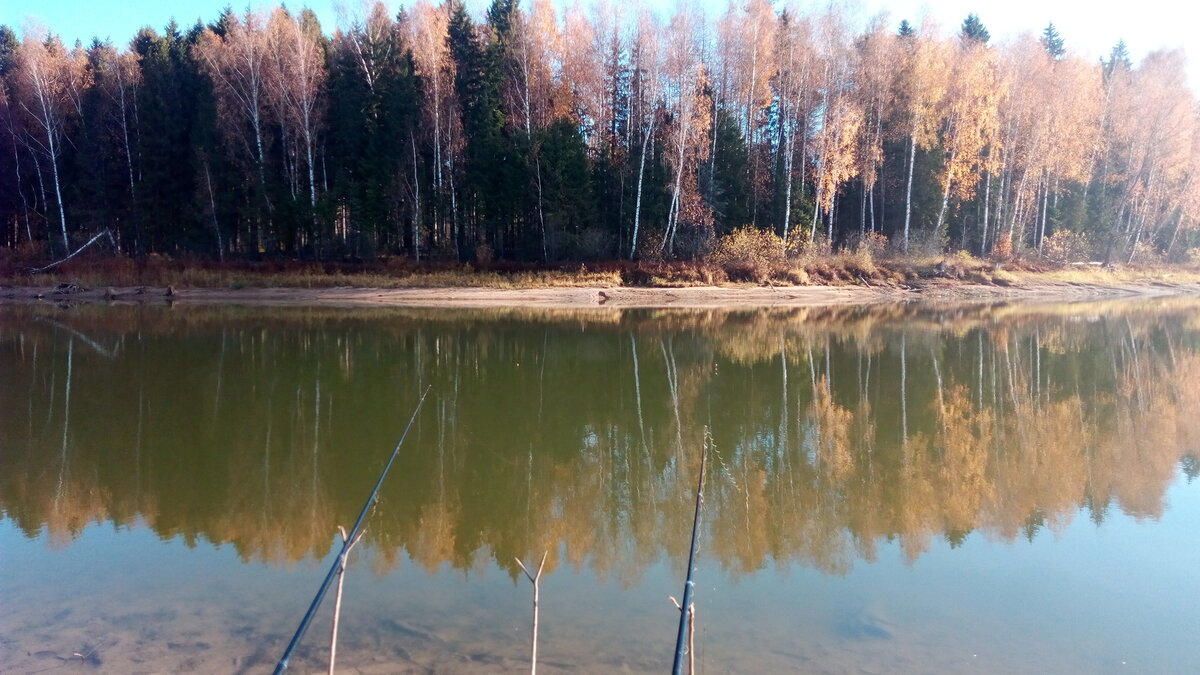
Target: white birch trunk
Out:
[637,209]
[416,231]
[912,157]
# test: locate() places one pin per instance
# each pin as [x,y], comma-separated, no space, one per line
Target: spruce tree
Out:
[1053,42]
[730,198]
[164,106]
[974,31]
[570,205]
[1118,59]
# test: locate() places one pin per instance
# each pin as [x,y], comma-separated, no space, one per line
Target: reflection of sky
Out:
[1086,599]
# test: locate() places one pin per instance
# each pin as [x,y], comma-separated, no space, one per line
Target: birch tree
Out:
[48,80]
[238,66]
[121,78]
[685,82]
[426,29]
[922,85]
[969,123]
[647,67]
[875,69]
[837,131]
[532,88]
[296,78]
[794,86]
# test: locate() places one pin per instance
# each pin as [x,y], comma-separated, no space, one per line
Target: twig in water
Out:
[533,579]
[337,599]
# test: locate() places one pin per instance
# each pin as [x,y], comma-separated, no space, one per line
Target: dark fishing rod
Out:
[346,542]
[681,638]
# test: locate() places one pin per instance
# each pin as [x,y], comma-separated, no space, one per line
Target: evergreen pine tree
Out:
[1053,42]
[730,198]
[974,31]
[1118,59]
[570,205]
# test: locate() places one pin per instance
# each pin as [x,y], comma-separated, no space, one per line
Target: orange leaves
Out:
[970,110]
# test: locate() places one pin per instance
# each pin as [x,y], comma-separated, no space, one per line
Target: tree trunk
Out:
[1045,201]
[787,190]
[62,218]
[212,205]
[945,200]
[637,209]
[537,161]
[912,156]
[987,203]
[416,228]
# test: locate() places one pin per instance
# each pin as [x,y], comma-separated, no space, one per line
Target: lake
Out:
[896,488]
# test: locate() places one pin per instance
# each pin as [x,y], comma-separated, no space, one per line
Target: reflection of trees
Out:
[836,429]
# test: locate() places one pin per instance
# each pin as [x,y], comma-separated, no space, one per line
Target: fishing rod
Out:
[680,639]
[346,543]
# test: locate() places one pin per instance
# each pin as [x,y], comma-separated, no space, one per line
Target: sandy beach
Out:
[1039,289]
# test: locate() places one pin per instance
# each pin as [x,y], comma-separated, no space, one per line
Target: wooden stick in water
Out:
[533,579]
[337,599]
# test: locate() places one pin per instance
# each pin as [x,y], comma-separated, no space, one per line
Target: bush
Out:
[597,244]
[1147,253]
[872,244]
[797,276]
[1067,246]
[749,254]
[1002,249]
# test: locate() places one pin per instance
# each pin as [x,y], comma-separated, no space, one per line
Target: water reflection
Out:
[836,429]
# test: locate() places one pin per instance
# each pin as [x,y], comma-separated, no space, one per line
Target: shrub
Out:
[483,255]
[1068,246]
[797,276]
[1147,253]
[749,254]
[873,244]
[1002,249]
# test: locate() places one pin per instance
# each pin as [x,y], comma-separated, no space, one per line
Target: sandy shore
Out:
[610,297]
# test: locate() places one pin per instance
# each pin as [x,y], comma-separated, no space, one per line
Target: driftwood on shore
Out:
[94,239]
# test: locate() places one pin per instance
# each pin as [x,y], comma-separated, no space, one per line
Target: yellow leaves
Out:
[838,141]
[923,83]
[970,110]
[427,32]
[49,79]
[747,35]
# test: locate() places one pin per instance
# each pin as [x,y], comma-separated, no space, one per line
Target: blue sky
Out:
[1089,27]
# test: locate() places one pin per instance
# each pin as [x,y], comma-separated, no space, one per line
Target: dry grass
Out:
[734,264]
[267,275]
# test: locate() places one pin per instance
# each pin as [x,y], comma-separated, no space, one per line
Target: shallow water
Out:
[893,489]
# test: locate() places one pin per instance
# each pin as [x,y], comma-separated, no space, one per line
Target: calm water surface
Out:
[902,489]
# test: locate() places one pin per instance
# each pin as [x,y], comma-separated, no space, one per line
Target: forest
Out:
[542,135]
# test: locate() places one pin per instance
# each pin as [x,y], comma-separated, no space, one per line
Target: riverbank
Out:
[1021,286]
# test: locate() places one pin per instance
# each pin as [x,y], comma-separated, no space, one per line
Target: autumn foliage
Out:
[541,133]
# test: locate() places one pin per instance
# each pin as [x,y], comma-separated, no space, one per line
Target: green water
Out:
[891,489]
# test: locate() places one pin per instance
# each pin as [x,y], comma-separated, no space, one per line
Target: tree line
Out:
[539,134]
